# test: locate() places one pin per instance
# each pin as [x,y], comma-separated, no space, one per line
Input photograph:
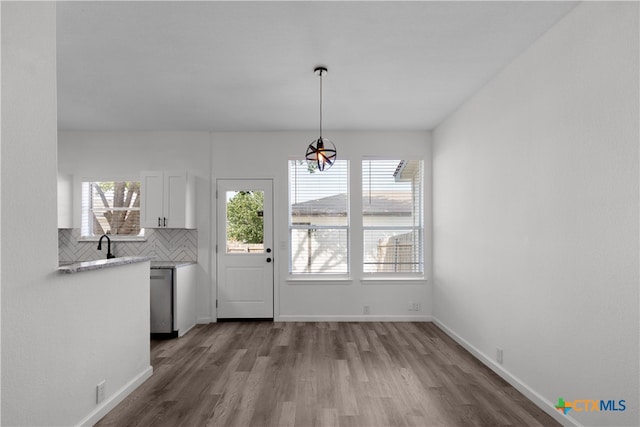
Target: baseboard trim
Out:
[203,320]
[352,318]
[523,388]
[116,398]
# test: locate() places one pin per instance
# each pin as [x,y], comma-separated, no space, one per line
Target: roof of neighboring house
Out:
[383,204]
[406,170]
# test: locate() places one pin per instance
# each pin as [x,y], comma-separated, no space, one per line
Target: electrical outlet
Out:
[100,391]
[366,309]
[413,306]
[499,354]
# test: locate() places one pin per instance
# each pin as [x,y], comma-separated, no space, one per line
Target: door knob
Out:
[268,250]
[268,259]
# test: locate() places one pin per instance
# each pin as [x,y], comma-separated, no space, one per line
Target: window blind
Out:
[110,207]
[392,216]
[318,218]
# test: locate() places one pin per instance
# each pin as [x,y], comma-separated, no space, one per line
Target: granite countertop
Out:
[102,263]
[171,264]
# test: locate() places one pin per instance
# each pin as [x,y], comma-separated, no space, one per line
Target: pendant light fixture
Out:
[321,153]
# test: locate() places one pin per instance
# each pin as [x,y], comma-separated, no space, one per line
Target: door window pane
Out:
[245,222]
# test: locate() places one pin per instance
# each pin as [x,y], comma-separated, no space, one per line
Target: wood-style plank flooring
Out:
[321,374]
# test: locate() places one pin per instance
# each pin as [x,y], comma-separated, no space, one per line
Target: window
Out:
[245,222]
[392,216]
[319,218]
[111,207]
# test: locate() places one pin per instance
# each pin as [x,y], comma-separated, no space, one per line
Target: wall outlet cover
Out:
[100,392]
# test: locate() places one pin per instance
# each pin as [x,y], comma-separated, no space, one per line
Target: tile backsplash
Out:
[165,245]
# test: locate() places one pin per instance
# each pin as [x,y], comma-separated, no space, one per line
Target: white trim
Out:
[204,320]
[523,388]
[277,252]
[352,318]
[319,281]
[378,280]
[116,398]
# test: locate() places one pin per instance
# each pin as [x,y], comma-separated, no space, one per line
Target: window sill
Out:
[315,280]
[385,280]
[114,238]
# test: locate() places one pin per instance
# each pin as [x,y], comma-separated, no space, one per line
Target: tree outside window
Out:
[245,224]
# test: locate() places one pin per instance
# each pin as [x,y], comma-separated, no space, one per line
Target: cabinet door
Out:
[151,206]
[184,291]
[175,199]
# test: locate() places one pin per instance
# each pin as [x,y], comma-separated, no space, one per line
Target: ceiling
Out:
[248,66]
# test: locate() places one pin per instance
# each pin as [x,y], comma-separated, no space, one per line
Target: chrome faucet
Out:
[109,254]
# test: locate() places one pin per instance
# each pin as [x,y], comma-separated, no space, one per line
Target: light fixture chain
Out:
[320,104]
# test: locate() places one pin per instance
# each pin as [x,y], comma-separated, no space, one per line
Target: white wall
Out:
[265,155]
[61,334]
[536,215]
[102,155]
[113,155]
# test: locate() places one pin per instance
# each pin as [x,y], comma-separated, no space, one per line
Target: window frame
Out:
[140,237]
[334,277]
[419,230]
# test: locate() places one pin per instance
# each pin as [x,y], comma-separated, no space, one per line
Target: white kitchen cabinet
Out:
[168,200]
[185,298]
[65,201]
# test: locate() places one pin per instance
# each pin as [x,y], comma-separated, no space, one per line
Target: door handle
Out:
[268,259]
[165,221]
[158,221]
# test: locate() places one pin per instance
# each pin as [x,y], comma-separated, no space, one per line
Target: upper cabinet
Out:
[65,201]
[168,200]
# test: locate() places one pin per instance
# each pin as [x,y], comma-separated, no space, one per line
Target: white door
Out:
[245,248]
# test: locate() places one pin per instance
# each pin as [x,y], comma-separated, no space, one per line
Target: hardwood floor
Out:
[321,374]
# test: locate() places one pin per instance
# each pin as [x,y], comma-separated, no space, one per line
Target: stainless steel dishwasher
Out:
[162,314]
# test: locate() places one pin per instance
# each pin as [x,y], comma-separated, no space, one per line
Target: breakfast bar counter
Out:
[102,263]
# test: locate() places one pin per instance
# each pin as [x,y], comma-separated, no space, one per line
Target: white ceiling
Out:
[248,66]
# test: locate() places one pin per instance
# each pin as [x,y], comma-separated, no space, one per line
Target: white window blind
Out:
[111,207]
[392,216]
[318,218]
